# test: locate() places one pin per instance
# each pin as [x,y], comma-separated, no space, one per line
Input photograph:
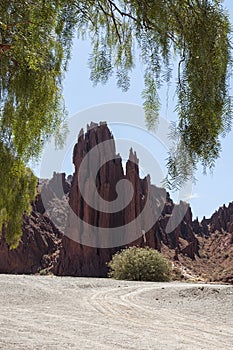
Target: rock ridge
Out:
[44,246]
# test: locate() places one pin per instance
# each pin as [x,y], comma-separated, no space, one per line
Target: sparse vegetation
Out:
[43,272]
[139,264]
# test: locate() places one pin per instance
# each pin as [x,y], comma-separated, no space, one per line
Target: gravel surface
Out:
[48,313]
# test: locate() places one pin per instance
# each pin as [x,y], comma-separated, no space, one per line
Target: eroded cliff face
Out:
[82,260]
[55,241]
[215,236]
[41,241]
[219,228]
[38,250]
[221,221]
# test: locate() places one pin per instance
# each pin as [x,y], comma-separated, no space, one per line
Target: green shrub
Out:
[139,264]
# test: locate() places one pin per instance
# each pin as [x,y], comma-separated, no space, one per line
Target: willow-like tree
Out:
[198,33]
[35,40]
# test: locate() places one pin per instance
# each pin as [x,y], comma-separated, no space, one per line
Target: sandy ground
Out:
[39,312]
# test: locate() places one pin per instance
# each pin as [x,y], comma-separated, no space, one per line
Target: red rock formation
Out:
[40,244]
[216,238]
[82,260]
[77,259]
[221,221]
[42,240]
[38,249]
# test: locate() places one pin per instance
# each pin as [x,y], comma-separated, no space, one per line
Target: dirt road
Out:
[53,313]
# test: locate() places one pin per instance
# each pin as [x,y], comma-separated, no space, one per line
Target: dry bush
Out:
[139,264]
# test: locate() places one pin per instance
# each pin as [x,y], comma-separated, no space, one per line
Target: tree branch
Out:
[179,68]
[12,25]
[147,25]
[114,21]
[5,47]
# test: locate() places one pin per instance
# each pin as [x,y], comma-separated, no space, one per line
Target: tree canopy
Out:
[198,33]
[35,39]
[35,44]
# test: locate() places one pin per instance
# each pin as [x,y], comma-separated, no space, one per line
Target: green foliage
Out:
[139,264]
[198,33]
[17,189]
[31,73]
[35,39]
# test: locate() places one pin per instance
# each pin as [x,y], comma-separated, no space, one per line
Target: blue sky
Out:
[210,191]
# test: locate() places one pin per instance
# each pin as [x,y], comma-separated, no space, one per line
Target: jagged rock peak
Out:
[221,220]
[101,132]
[81,135]
[95,136]
[133,156]
[79,259]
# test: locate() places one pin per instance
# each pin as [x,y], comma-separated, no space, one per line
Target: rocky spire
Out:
[82,260]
